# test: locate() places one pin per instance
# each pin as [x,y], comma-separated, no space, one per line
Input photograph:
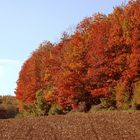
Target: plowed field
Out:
[95,126]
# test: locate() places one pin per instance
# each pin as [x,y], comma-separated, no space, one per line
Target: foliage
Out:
[107,102]
[41,106]
[136,97]
[82,69]
[55,109]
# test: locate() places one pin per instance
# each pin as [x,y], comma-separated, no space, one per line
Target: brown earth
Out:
[95,126]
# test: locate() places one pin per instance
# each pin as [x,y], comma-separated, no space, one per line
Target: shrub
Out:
[109,101]
[95,108]
[27,111]
[55,109]
[136,96]
[24,114]
[41,106]
[123,96]
[12,111]
[9,104]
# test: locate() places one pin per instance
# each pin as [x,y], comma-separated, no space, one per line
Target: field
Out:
[92,126]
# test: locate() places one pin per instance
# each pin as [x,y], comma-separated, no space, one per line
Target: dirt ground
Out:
[95,126]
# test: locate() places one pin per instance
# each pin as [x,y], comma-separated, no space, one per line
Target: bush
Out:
[55,109]
[123,96]
[9,104]
[106,103]
[96,108]
[39,108]
[25,114]
[27,111]
[12,111]
[136,96]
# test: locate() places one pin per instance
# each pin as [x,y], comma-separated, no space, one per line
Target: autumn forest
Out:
[97,66]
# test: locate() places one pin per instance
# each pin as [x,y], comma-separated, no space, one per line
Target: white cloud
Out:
[9,61]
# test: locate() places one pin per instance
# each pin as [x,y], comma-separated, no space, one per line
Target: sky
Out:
[24,24]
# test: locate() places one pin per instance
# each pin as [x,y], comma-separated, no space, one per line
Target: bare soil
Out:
[92,126]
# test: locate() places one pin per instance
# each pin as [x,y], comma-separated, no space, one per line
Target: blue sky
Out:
[24,24]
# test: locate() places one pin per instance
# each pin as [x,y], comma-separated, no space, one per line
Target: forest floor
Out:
[91,126]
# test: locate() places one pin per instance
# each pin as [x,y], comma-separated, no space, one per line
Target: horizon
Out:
[26,24]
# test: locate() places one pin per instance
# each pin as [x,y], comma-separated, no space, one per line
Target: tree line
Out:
[98,64]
